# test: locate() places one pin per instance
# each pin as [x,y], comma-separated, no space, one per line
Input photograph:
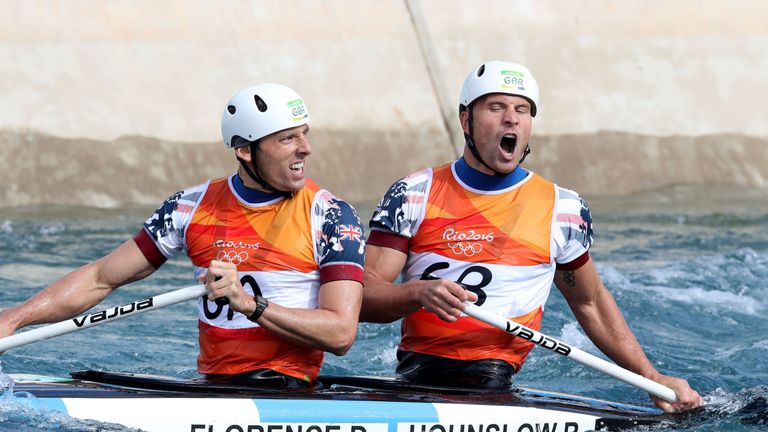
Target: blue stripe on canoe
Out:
[337,411]
[54,404]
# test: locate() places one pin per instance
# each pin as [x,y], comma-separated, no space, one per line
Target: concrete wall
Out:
[109,103]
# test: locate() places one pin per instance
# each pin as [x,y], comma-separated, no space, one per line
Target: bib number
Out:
[219,308]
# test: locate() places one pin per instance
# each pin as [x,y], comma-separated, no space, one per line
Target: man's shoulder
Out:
[564,193]
[422,174]
[193,194]
[412,182]
[567,200]
[313,190]
[311,186]
[325,198]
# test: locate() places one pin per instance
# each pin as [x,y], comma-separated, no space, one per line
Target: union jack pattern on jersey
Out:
[349,232]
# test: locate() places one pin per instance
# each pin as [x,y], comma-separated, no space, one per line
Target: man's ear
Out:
[463,119]
[243,152]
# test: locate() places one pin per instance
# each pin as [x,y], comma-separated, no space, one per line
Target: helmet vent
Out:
[260,104]
[481,70]
[231,109]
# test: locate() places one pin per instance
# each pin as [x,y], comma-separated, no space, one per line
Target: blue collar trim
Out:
[477,180]
[252,196]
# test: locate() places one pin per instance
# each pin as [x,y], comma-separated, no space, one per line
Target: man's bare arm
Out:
[385,301]
[332,327]
[79,290]
[600,317]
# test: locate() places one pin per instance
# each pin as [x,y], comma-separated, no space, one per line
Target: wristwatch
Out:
[261,305]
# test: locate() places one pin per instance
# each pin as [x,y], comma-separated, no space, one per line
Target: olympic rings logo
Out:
[466,248]
[235,258]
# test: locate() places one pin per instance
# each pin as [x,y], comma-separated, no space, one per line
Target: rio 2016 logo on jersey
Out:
[467,243]
[298,109]
[235,257]
[237,245]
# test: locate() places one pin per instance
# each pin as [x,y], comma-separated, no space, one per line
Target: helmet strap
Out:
[254,173]
[526,152]
[473,148]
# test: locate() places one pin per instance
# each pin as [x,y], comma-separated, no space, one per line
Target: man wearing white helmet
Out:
[485,229]
[282,259]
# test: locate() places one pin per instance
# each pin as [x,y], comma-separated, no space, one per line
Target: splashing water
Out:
[690,284]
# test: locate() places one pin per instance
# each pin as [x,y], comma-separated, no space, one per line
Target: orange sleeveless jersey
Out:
[274,247]
[498,244]
[281,234]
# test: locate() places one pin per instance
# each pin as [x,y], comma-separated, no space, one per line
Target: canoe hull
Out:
[382,406]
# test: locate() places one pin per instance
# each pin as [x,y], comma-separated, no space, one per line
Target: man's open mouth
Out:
[298,166]
[508,143]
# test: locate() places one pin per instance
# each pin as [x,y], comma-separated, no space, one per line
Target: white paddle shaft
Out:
[194,291]
[102,317]
[574,353]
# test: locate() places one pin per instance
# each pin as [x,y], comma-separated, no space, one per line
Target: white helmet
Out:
[258,111]
[500,77]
